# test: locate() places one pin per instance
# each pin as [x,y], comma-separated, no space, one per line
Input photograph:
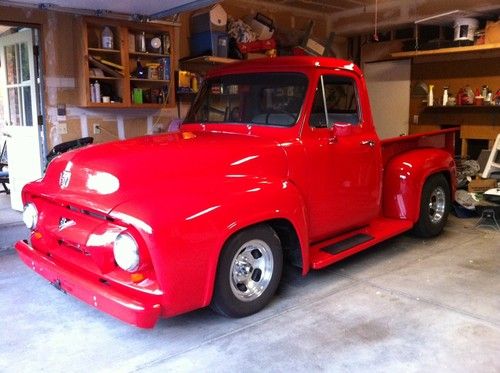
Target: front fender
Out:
[404,178]
[186,229]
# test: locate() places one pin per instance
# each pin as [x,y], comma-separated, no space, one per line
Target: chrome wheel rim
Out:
[251,270]
[437,205]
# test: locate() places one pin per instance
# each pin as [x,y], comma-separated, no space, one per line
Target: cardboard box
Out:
[492,32]
[481,185]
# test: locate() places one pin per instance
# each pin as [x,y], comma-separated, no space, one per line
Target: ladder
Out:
[493,163]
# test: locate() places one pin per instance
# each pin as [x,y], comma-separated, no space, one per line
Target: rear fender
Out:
[404,178]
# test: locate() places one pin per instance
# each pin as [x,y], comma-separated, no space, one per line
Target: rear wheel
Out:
[248,273]
[434,207]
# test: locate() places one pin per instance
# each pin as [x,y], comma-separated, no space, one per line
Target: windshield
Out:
[273,99]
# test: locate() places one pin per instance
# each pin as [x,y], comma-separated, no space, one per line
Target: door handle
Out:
[332,140]
[370,143]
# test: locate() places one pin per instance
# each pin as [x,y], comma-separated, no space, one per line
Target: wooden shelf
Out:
[103,78]
[110,105]
[442,51]
[203,63]
[149,106]
[151,81]
[147,54]
[102,50]
[462,109]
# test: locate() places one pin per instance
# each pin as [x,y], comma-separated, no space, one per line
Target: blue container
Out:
[209,44]
[213,19]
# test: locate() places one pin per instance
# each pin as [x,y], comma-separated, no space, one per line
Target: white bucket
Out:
[465,28]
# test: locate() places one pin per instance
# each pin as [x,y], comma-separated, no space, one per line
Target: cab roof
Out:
[285,63]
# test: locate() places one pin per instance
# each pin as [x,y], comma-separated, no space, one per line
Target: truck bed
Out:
[444,139]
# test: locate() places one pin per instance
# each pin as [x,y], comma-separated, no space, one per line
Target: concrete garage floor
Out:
[406,305]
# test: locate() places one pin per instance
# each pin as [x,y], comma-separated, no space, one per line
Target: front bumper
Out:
[131,309]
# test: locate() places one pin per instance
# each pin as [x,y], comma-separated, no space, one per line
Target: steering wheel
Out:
[279,111]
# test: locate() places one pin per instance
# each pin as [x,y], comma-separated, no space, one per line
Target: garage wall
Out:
[59,48]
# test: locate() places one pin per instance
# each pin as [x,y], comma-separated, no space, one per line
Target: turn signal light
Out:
[137,277]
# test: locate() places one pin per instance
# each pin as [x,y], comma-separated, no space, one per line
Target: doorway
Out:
[21,121]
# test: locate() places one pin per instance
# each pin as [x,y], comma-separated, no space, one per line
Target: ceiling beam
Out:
[283,7]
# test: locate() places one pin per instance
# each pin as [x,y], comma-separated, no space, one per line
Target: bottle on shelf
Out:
[107,38]
[445,96]
[92,93]
[166,43]
[430,98]
[140,71]
[478,98]
[484,91]
[140,42]
[97,90]
[469,95]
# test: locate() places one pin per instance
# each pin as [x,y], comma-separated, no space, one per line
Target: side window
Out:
[341,98]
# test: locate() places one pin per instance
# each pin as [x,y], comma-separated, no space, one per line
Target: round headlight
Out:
[126,252]
[30,215]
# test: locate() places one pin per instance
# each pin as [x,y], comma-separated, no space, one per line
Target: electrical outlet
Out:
[415,119]
[97,129]
[62,128]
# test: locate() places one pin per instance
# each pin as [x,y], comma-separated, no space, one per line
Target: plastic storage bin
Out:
[209,44]
[213,19]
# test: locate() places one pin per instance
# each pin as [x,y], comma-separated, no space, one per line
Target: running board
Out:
[348,243]
[338,248]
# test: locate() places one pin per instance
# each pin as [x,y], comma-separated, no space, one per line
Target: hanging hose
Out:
[375,31]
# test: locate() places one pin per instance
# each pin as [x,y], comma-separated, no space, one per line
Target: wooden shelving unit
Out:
[202,64]
[119,65]
[473,49]
[457,68]
[463,109]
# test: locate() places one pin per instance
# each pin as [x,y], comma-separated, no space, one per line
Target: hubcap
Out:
[251,270]
[437,204]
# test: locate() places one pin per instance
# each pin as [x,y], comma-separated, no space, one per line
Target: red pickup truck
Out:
[278,159]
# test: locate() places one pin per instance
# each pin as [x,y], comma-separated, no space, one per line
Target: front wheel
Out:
[434,207]
[248,273]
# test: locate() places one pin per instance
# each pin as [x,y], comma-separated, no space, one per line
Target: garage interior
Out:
[407,304]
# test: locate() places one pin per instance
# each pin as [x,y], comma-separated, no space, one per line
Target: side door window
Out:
[335,101]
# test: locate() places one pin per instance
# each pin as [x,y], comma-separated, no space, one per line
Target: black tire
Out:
[248,272]
[434,207]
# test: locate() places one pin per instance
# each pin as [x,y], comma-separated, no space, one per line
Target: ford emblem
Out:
[65,223]
[64,179]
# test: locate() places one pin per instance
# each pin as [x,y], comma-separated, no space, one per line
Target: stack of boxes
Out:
[208,32]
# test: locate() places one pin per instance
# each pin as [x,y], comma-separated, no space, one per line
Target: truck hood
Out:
[102,176]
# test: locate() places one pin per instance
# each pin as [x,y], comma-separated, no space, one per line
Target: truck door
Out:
[343,158]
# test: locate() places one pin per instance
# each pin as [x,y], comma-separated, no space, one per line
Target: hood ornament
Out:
[65,223]
[65,175]
[64,179]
